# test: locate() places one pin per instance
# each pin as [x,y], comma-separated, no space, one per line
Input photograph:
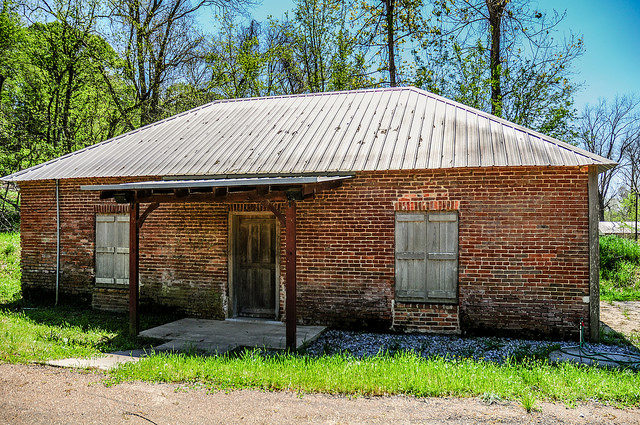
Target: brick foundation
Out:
[523,257]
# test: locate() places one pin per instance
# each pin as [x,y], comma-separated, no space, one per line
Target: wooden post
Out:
[594,256]
[134,319]
[290,241]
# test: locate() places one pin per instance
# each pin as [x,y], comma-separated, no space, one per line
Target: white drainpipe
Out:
[57,238]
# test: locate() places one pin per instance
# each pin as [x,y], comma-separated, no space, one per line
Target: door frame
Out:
[231,230]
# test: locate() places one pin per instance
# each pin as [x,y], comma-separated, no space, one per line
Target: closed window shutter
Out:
[105,248]
[112,249]
[442,258]
[411,256]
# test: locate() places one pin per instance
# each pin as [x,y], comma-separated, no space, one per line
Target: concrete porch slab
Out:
[221,336]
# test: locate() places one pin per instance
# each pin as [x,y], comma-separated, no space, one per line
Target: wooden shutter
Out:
[112,249]
[442,259]
[121,272]
[411,256]
[105,248]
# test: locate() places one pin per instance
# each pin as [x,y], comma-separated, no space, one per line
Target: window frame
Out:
[115,282]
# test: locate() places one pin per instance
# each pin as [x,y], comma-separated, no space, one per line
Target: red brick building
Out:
[408,212]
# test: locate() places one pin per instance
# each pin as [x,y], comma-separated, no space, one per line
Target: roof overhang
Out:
[231,190]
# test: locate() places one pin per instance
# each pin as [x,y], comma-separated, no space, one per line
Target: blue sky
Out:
[611,30]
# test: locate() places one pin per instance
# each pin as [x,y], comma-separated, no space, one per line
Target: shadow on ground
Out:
[85,319]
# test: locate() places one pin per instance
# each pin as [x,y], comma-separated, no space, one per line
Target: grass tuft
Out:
[528,402]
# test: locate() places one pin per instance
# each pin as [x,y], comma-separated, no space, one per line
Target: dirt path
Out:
[31,394]
[623,317]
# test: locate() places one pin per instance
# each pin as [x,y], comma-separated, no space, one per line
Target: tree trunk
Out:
[2,79]
[496,10]
[66,131]
[389,10]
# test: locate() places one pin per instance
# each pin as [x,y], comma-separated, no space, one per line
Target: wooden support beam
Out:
[143,217]
[314,188]
[134,240]
[594,256]
[212,197]
[290,247]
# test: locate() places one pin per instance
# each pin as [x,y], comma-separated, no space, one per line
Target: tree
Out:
[384,28]
[236,60]
[502,57]
[11,35]
[612,131]
[156,39]
[322,47]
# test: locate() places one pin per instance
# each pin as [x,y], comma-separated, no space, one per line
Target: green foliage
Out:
[624,210]
[9,267]
[401,373]
[614,250]
[611,290]
[619,269]
[56,101]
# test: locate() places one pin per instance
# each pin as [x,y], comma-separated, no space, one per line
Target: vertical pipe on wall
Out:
[57,239]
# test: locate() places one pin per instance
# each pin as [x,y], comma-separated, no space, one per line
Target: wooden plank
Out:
[105,248]
[255,257]
[442,263]
[134,319]
[121,263]
[410,235]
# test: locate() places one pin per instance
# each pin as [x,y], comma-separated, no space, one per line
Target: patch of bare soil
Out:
[622,317]
[31,394]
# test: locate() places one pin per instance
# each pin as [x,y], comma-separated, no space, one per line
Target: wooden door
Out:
[255,267]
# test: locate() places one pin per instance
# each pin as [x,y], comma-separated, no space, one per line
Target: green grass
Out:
[9,267]
[401,373]
[619,269]
[46,333]
[612,291]
[37,333]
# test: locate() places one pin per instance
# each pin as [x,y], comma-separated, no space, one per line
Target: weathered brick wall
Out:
[523,260]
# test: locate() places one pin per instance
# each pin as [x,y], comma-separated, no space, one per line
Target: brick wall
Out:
[523,259]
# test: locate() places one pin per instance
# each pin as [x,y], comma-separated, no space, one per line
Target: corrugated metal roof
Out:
[322,133]
[209,183]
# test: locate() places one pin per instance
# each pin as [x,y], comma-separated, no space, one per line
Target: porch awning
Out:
[264,190]
[209,183]
[273,188]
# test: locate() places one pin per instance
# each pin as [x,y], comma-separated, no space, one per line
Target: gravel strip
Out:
[494,349]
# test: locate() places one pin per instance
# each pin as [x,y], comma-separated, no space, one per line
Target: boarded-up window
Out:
[112,249]
[427,256]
